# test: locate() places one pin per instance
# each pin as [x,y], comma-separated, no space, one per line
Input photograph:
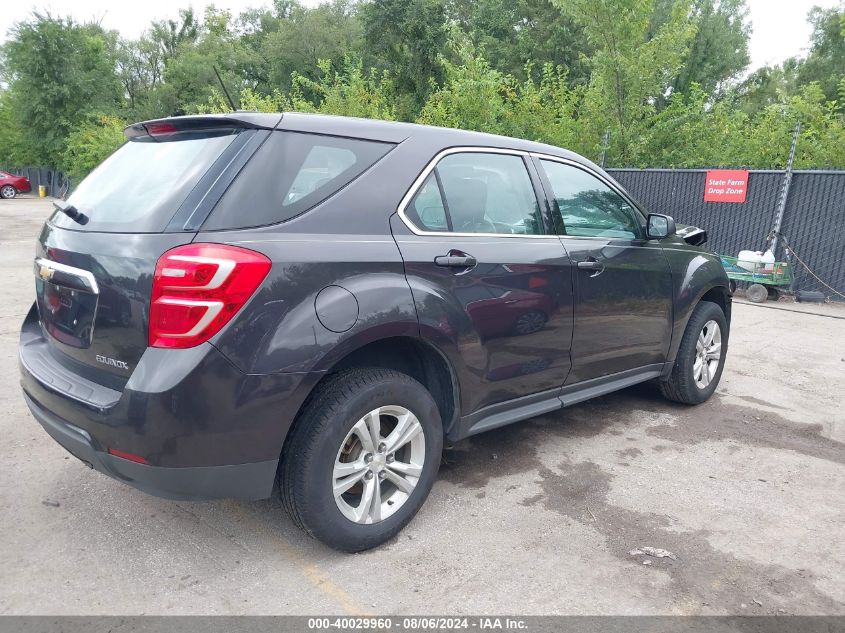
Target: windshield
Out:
[139,188]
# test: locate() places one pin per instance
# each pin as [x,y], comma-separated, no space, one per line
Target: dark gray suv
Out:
[233,301]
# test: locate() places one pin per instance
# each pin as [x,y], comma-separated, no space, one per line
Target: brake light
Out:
[198,288]
[161,129]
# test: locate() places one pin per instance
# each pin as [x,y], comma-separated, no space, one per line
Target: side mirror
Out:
[660,226]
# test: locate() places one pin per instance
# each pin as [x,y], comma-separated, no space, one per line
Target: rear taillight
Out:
[198,288]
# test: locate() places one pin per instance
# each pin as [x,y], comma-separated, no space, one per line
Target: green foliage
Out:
[633,65]
[718,52]
[513,31]
[825,63]
[302,37]
[822,140]
[692,132]
[473,95]
[91,143]
[57,71]
[405,38]
[660,78]
[347,90]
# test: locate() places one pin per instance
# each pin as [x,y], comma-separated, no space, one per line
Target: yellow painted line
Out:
[316,576]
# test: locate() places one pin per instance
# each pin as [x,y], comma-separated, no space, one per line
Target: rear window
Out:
[291,173]
[139,188]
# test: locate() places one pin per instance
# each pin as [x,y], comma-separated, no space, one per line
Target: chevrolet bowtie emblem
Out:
[45,273]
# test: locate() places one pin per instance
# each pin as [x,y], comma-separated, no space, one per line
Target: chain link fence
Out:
[813,222]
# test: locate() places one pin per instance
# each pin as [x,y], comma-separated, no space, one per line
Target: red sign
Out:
[726,185]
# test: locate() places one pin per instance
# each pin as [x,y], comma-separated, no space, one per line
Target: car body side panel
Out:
[695,271]
[279,331]
[623,314]
[477,317]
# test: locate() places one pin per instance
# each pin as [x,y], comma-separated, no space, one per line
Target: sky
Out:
[779,27]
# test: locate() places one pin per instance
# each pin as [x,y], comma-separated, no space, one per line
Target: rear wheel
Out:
[757,293]
[8,192]
[701,356]
[362,458]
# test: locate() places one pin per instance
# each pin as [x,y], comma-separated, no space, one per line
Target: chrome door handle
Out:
[591,264]
[456,261]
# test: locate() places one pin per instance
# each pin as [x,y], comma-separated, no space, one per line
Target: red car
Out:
[11,185]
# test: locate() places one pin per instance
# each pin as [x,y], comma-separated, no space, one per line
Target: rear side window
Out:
[426,209]
[139,188]
[477,192]
[291,173]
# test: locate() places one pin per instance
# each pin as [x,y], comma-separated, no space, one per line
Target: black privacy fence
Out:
[813,220]
[54,180]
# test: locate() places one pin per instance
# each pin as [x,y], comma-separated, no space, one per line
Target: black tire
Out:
[530,322]
[774,293]
[7,192]
[757,293]
[308,458]
[681,385]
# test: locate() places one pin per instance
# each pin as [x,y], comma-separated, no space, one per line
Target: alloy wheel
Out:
[379,464]
[708,354]
[8,191]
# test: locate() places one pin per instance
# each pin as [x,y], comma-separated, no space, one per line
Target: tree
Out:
[473,94]
[405,38]
[825,63]
[719,50]
[633,66]
[511,32]
[302,36]
[90,143]
[692,131]
[768,85]
[189,75]
[169,35]
[57,71]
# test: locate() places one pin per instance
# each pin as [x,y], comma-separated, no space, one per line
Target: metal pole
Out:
[784,192]
[604,143]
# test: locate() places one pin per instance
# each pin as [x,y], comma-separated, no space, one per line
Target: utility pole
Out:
[605,141]
[784,192]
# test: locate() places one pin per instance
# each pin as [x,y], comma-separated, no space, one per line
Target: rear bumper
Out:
[206,429]
[241,481]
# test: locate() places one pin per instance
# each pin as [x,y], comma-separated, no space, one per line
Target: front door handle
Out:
[591,264]
[456,259]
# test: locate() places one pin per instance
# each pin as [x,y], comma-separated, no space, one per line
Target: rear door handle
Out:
[456,260]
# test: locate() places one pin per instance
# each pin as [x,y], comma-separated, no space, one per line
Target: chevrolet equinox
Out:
[232,302]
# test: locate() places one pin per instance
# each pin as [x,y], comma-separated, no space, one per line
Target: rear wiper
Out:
[71,211]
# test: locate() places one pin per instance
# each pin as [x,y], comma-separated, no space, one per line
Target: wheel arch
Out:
[717,293]
[406,354]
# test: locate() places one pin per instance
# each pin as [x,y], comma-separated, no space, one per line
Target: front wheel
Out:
[361,458]
[8,192]
[701,356]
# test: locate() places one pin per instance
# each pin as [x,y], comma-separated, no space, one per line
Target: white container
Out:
[768,261]
[750,260]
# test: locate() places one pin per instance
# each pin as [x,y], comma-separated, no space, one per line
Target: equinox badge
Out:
[111,361]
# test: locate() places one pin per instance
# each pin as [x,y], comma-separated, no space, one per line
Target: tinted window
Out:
[588,206]
[483,193]
[139,188]
[291,173]
[426,209]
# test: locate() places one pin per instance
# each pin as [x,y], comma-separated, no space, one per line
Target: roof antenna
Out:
[226,92]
